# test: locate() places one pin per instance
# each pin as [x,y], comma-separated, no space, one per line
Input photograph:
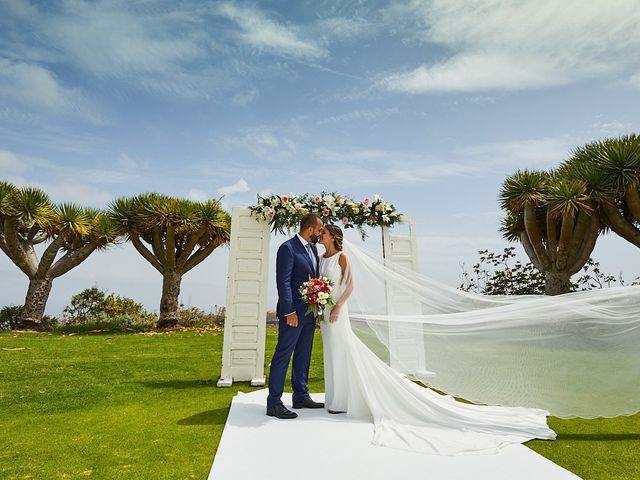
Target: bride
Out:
[405,414]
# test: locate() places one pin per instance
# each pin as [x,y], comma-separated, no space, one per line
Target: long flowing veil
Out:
[574,355]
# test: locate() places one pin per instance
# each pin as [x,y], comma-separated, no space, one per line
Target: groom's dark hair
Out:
[309,220]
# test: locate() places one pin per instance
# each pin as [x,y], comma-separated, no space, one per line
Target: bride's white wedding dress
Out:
[405,414]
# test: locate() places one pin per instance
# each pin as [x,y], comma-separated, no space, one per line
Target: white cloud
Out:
[12,163]
[515,45]
[19,8]
[369,166]
[264,139]
[38,88]
[97,176]
[30,84]
[360,167]
[267,192]
[263,33]
[198,195]
[480,71]
[68,183]
[125,162]
[110,40]
[538,153]
[76,192]
[355,154]
[264,143]
[188,49]
[612,128]
[240,186]
[343,27]
[245,98]
[359,115]
[14,115]
[399,173]
[229,194]
[20,126]
[149,45]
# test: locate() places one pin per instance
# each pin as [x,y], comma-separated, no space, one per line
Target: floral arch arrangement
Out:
[283,212]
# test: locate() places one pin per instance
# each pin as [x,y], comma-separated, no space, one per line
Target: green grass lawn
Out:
[134,406]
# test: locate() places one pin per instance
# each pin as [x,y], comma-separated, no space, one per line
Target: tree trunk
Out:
[535,235]
[557,283]
[169,302]
[36,301]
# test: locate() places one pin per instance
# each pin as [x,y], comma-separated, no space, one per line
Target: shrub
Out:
[196,317]
[94,309]
[11,317]
[495,274]
[142,323]
[87,305]
[117,306]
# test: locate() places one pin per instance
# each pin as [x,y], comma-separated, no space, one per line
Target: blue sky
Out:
[430,104]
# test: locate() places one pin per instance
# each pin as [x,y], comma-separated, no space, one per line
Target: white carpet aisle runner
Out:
[320,446]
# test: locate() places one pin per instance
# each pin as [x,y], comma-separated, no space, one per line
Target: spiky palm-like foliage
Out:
[28,218]
[555,218]
[173,235]
[611,168]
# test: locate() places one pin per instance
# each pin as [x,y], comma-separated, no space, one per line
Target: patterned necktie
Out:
[311,255]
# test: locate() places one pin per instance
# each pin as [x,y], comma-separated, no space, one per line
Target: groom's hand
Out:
[292,319]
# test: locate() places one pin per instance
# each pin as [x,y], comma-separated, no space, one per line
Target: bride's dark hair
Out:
[336,233]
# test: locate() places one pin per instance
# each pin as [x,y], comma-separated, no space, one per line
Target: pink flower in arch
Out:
[284,199]
[345,220]
[317,199]
[325,212]
[366,200]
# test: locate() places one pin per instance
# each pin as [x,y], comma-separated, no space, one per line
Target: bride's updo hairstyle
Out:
[336,233]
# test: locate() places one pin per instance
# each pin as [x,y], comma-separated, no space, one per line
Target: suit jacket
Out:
[293,268]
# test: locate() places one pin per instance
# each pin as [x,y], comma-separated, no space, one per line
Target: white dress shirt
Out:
[309,251]
[313,258]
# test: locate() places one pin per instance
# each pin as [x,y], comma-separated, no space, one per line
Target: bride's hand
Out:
[335,312]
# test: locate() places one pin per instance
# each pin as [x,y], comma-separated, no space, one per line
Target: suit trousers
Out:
[299,342]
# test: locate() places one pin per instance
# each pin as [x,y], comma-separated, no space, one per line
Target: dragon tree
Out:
[556,219]
[611,167]
[28,219]
[173,235]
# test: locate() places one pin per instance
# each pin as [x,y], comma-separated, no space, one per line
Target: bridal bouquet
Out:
[316,293]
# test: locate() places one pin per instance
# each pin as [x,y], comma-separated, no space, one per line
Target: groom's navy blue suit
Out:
[294,266]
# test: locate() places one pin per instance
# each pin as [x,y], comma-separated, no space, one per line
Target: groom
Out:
[297,260]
